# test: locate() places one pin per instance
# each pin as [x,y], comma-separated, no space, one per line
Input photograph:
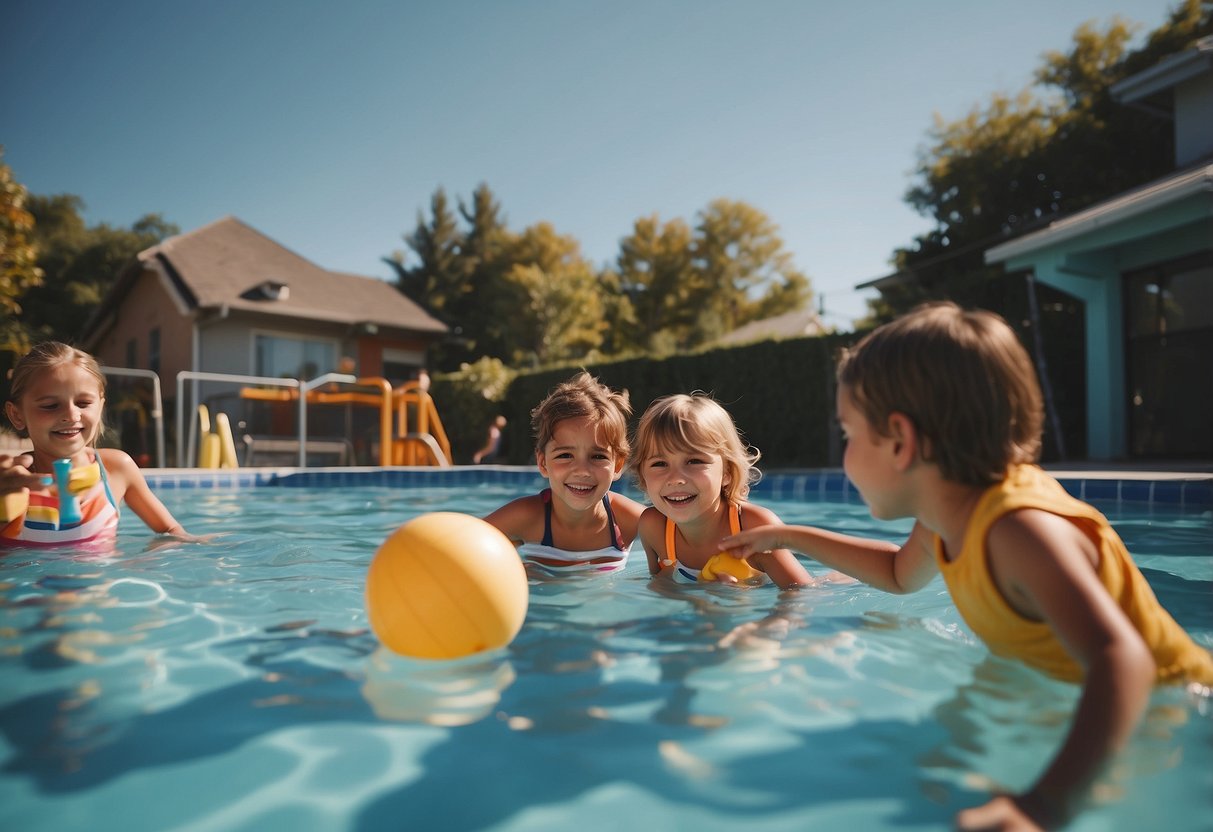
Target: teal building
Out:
[1142,264]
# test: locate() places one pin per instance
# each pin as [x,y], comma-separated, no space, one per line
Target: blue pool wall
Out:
[1187,492]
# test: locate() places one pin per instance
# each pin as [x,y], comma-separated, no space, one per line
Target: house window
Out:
[400,366]
[1169,323]
[153,350]
[281,356]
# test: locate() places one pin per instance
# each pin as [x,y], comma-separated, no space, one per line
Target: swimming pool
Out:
[234,686]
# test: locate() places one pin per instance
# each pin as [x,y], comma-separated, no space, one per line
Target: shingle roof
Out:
[224,264]
[794,324]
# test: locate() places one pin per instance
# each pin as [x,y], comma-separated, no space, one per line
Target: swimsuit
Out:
[717,564]
[39,524]
[1007,633]
[545,554]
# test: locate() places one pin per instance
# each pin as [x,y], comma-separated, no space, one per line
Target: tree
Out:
[457,272]
[533,297]
[745,273]
[688,288]
[487,248]
[81,263]
[436,282]
[656,274]
[19,271]
[551,308]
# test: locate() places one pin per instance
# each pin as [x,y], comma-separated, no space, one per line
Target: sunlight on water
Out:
[235,686]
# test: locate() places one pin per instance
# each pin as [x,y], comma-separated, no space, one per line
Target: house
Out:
[227,299]
[794,324]
[1142,263]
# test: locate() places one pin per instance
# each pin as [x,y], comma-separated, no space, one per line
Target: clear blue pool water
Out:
[234,686]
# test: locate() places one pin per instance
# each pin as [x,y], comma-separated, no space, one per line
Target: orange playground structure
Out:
[410,430]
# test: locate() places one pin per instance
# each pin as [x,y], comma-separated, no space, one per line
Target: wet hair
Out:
[692,423]
[45,356]
[584,397]
[963,379]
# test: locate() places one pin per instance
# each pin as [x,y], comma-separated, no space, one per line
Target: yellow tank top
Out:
[1006,633]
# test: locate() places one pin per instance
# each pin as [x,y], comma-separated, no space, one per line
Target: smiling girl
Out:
[581,445]
[56,401]
[696,471]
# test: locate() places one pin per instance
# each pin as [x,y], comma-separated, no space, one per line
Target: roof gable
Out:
[230,264]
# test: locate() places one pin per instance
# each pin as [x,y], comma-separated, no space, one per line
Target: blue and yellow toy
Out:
[69,482]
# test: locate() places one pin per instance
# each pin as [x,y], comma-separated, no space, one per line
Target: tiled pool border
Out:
[1189,491]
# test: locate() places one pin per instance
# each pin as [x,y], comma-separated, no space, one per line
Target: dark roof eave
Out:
[308,316]
[888,281]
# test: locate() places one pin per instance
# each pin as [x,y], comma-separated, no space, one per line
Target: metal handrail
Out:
[199,376]
[157,409]
[304,389]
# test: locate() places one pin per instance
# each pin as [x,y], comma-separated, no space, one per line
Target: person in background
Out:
[492,442]
[943,415]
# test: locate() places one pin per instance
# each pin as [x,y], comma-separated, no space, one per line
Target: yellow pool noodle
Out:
[15,504]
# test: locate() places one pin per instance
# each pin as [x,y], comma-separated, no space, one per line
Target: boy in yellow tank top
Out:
[943,413]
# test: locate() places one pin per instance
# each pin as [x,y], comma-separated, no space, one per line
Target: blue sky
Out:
[328,126]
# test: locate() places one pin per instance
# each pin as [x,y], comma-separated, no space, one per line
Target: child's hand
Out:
[1003,813]
[172,538]
[752,541]
[15,474]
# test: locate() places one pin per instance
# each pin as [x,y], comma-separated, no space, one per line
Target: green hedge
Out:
[780,394]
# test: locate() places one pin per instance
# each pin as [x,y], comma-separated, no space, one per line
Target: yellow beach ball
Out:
[446,585]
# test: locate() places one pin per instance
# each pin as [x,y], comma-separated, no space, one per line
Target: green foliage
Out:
[687,288]
[553,308]
[81,263]
[19,271]
[438,282]
[744,272]
[469,399]
[531,298]
[780,393]
[656,274]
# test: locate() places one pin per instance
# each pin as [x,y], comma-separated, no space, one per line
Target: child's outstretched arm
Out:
[138,495]
[1046,569]
[781,566]
[881,564]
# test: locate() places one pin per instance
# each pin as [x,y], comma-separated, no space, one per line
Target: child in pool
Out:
[690,461]
[581,447]
[942,414]
[56,400]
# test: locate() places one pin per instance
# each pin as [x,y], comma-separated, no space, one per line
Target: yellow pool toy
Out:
[722,564]
[446,585]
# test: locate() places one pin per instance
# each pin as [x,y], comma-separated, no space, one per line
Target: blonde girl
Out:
[56,400]
[692,464]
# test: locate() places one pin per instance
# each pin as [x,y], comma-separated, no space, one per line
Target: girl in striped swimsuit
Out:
[56,400]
